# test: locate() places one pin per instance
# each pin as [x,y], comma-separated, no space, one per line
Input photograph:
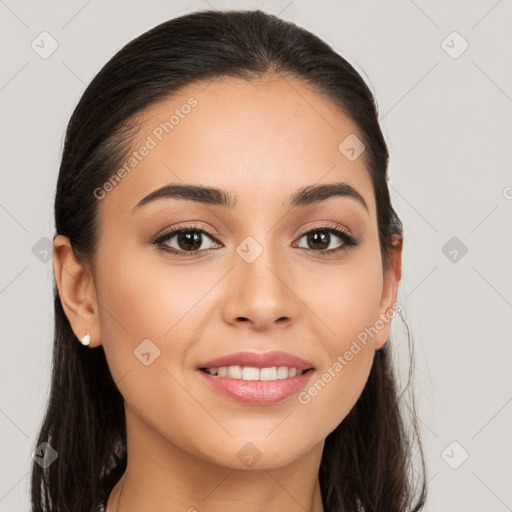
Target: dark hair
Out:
[366,462]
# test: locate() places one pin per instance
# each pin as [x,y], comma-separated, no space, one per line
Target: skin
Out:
[261,141]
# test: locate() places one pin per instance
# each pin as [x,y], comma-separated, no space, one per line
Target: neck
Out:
[161,476]
[232,498]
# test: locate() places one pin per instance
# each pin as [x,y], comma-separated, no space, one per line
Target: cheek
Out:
[136,303]
[143,297]
[346,299]
[147,334]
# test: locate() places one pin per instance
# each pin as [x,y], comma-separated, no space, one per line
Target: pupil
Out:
[323,239]
[185,239]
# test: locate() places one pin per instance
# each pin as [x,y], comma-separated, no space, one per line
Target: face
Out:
[245,277]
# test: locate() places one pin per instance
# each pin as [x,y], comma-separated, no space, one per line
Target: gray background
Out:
[447,120]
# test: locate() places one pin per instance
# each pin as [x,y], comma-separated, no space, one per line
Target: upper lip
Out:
[258,360]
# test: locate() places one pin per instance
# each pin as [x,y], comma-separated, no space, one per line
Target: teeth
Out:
[235,372]
[268,373]
[252,373]
[249,373]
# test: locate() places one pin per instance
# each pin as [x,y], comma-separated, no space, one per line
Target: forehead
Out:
[260,140]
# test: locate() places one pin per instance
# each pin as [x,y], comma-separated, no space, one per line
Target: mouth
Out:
[256,378]
[272,365]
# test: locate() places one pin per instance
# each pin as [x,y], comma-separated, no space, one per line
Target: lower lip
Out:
[258,391]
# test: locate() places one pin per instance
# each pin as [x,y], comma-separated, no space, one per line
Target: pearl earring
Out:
[86,339]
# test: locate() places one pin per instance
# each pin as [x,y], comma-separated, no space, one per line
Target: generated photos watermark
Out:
[151,142]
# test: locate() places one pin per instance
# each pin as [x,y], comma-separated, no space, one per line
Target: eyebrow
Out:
[309,195]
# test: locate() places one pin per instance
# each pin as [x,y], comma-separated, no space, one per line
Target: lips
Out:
[256,392]
[258,360]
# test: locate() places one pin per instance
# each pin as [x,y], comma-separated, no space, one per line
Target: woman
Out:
[227,253]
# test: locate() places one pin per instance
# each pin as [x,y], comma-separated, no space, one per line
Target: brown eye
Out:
[189,240]
[185,240]
[321,240]
[318,240]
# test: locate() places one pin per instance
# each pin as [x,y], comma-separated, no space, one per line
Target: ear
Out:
[76,289]
[391,281]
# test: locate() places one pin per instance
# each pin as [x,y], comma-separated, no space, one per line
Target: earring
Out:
[86,339]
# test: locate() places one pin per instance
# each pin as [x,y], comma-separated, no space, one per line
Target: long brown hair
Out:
[366,462]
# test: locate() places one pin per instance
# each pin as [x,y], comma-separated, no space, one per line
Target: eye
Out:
[189,240]
[184,241]
[322,238]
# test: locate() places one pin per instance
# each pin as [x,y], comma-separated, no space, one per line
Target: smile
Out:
[253,373]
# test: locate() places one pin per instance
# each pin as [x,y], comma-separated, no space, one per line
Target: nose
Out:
[261,293]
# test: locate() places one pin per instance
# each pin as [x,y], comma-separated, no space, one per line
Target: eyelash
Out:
[349,241]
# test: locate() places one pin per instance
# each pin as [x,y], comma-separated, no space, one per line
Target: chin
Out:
[260,453]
